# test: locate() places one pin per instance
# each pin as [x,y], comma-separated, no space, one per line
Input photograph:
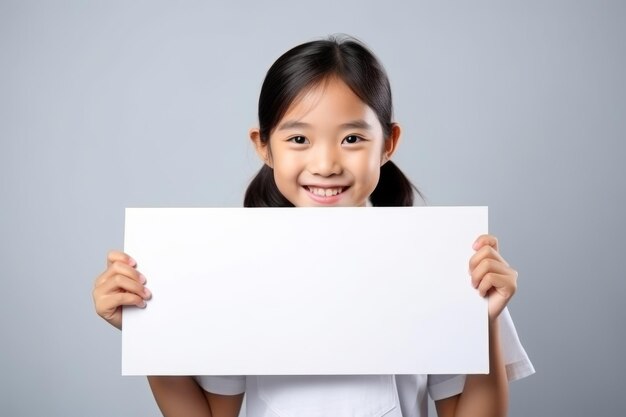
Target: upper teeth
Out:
[325,192]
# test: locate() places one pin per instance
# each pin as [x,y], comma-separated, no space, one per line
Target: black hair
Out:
[304,67]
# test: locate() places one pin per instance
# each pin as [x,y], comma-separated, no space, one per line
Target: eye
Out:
[300,140]
[352,139]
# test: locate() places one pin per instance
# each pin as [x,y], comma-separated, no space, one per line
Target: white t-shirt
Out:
[359,395]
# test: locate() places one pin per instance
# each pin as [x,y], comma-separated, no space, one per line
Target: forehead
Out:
[329,103]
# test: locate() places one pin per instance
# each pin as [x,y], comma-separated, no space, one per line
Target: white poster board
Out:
[286,291]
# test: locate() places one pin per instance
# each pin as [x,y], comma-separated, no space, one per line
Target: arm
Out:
[486,395]
[182,396]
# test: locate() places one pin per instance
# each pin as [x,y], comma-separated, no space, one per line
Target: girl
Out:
[326,137]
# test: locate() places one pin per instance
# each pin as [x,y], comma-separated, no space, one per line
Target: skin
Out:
[313,146]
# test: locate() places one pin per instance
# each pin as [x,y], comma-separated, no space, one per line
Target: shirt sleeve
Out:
[516,362]
[223,385]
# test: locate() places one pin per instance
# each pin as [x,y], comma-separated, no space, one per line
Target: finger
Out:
[120,268]
[118,256]
[125,269]
[486,252]
[485,284]
[109,304]
[486,239]
[501,283]
[486,266]
[122,283]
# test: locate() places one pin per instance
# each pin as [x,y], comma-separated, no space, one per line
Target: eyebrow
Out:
[354,124]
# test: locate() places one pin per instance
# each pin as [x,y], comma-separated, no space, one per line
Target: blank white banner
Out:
[303,291]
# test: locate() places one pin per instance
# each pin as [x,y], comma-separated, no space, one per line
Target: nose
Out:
[325,160]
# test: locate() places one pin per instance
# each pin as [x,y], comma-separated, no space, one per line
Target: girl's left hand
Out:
[492,275]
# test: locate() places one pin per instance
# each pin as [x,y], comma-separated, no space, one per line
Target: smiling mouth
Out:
[325,192]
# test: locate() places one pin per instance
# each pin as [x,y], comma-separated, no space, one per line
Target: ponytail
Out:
[394,188]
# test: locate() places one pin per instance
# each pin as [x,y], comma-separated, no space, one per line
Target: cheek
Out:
[286,174]
[373,178]
[370,173]
[287,168]
[367,167]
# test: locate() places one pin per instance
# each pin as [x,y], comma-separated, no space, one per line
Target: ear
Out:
[391,143]
[262,149]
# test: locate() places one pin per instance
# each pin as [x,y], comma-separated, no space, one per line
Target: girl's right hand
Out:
[119,285]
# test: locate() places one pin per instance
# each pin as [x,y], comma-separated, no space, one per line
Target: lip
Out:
[333,199]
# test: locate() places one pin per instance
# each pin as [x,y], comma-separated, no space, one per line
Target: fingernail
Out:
[147,292]
[142,278]
[131,261]
[475,245]
[142,305]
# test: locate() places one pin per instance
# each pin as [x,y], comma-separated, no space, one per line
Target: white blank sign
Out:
[288,291]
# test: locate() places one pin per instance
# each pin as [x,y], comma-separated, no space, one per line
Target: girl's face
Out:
[328,148]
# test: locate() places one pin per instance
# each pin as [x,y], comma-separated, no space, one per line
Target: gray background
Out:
[516,105]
